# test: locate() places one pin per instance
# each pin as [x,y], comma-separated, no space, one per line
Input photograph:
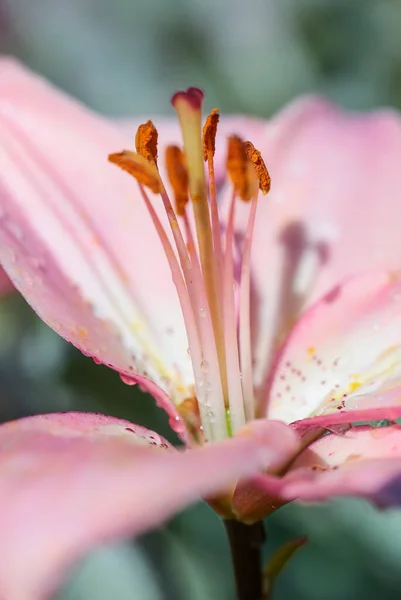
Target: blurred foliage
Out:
[126,57]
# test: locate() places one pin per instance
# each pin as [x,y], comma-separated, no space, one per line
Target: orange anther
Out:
[138,166]
[209,134]
[261,170]
[178,176]
[146,142]
[237,167]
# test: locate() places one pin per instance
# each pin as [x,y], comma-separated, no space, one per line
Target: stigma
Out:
[216,311]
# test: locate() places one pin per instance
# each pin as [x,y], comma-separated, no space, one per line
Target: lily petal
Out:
[363,462]
[344,353]
[70,481]
[76,239]
[5,284]
[333,211]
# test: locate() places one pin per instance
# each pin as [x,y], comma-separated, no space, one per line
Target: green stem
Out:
[246,543]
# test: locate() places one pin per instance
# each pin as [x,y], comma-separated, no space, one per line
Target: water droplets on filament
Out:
[204,366]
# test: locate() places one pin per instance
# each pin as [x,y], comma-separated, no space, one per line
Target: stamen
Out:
[245,309]
[190,323]
[137,166]
[245,345]
[188,107]
[261,170]
[146,142]
[178,177]
[192,297]
[209,148]
[237,413]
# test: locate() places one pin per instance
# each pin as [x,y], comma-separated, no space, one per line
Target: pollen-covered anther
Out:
[178,177]
[237,168]
[146,141]
[139,167]
[261,170]
[209,134]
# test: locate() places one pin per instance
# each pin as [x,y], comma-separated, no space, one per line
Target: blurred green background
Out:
[126,57]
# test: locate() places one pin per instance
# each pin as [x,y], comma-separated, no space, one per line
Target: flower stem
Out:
[246,543]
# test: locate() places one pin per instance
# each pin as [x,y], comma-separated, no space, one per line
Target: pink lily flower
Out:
[267,355]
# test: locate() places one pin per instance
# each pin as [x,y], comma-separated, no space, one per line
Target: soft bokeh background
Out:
[126,57]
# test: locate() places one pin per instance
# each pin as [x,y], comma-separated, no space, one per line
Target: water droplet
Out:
[127,379]
[189,351]
[28,280]
[96,360]
[210,414]
[202,312]
[176,424]
[208,387]
[204,366]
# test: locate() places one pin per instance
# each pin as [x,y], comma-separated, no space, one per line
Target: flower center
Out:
[216,311]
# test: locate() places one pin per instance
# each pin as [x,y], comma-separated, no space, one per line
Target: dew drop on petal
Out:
[127,379]
[202,312]
[96,360]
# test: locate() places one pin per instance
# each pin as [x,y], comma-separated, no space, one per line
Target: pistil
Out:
[188,106]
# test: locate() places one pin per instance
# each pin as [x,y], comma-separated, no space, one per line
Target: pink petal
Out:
[70,481]
[343,354]
[76,239]
[250,501]
[333,210]
[363,462]
[5,284]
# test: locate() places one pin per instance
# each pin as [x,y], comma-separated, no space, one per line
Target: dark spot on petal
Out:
[333,295]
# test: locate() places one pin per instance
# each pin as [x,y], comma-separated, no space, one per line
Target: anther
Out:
[178,176]
[261,170]
[209,134]
[237,168]
[146,142]
[138,166]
